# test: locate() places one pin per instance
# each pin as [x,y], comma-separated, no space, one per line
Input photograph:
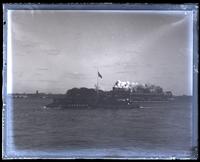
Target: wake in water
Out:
[145,107]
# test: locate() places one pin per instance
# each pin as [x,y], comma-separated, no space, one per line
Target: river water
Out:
[157,129]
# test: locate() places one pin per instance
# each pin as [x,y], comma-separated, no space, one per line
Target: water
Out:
[157,129]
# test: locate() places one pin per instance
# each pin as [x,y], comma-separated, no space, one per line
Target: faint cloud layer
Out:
[67,48]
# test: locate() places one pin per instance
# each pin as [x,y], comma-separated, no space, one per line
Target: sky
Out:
[54,50]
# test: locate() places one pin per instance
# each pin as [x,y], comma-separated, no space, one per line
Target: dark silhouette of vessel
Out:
[118,97]
[90,98]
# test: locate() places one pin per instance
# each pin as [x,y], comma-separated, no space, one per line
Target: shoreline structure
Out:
[122,95]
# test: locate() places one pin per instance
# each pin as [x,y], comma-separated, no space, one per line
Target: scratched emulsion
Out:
[155,128]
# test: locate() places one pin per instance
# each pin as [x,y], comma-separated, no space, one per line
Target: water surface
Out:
[157,129]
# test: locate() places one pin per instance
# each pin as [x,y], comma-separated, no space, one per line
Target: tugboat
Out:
[123,95]
[77,98]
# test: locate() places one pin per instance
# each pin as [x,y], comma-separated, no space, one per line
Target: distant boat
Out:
[87,98]
[116,98]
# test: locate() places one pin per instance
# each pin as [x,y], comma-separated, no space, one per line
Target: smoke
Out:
[136,86]
[126,84]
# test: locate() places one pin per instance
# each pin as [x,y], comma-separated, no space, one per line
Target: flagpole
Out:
[97,82]
[97,87]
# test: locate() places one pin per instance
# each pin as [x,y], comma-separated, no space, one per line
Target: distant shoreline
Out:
[62,94]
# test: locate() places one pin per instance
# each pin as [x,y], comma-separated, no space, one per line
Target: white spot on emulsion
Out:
[196,69]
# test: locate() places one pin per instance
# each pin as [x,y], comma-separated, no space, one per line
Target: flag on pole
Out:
[99,75]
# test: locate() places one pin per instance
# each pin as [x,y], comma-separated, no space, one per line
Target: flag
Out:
[99,75]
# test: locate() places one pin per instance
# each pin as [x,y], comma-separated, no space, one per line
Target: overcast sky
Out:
[53,51]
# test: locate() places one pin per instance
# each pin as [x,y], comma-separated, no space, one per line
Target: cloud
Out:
[47,81]
[70,51]
[126,71]
[52,52]
[42,69]
[77,75]
[26,42]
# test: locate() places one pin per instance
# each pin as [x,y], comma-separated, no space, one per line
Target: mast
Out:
[97,88]
[97,83]
[98,75]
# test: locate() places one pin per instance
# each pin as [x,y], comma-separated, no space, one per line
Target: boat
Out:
[118,97]
[88,98]
[66,103]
